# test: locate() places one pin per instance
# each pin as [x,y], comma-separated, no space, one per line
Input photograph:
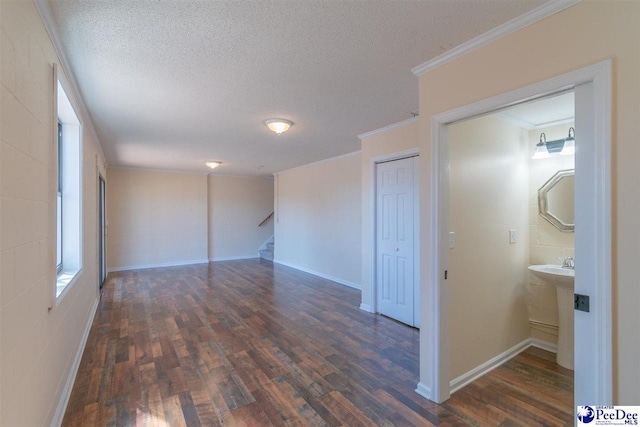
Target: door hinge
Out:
[445,275]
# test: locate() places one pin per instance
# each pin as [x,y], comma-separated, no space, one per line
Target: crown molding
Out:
[390,127]
[230,175]
[143,169]
[44,9]
[330,159]
[522,21]
[188,172]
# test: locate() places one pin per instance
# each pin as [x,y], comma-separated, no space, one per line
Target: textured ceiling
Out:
[171,84]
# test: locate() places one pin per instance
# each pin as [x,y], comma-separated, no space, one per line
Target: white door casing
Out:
[395,236]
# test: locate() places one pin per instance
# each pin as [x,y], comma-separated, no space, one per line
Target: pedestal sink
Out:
[562,278]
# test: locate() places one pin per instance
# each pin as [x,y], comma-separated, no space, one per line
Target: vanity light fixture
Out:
[565,147]
[278,125]
[541,148]
[569,147]
[213,165]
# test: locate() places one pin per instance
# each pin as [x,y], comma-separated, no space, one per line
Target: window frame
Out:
[67,143]
[59,206]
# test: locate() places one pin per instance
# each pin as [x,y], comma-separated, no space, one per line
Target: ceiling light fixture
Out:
[278,125]
[213,165]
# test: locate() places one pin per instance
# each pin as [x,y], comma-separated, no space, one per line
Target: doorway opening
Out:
[102,231]
[498,306]
[593,369]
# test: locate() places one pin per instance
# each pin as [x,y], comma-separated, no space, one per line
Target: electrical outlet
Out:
[512,236]
[452,240]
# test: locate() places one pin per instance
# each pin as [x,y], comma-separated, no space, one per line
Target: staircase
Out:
[266,251]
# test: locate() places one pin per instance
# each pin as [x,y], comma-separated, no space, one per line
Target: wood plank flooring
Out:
[250,343]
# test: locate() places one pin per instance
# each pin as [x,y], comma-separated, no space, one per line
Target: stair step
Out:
[267,254]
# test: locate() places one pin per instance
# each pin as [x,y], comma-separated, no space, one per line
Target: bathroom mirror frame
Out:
[543,201]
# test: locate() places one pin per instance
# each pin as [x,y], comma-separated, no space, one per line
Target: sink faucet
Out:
[569,263]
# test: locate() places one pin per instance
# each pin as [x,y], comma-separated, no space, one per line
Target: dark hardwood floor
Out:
[253,343]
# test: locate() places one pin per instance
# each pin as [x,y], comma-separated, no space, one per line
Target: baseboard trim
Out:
[547,328]
[489,365]
[164,264]
[233,258]
[544,345]
[71,379]
[366,307]
[316,273]
[423,390]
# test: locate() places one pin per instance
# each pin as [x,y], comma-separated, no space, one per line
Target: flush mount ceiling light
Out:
[278,125]
[213,165]
[565,147]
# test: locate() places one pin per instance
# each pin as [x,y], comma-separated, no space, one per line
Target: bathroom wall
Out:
[546,243]
[488,275]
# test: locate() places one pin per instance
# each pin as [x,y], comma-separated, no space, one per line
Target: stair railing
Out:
[264,221]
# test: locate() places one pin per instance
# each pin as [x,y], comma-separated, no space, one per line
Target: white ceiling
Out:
[549,111]
[171,84]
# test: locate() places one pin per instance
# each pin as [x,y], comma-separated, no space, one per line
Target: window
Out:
[68,211]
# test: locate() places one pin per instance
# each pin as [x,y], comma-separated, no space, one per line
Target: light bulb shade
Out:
[569,148]
[278,125]
[213,165]
[541,152]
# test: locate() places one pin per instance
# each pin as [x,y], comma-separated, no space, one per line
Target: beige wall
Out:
[318,219]
[236,206]
[581,35]
[396,140]
[37,345]
[155,218]
[546,243]
[488,276]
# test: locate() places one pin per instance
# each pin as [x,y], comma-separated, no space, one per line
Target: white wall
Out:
[546,243]
[400,138]
[488,277]
[38,346]
[236,206]
[582,35]
[164,218]
[319,219]
[155,218]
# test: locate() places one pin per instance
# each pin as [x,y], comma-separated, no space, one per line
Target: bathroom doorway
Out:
[593,372]
[498,307]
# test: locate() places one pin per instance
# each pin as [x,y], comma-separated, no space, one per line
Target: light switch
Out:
[512,236]
[452,240]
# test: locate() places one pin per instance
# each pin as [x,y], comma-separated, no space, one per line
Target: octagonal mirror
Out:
[555,200]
